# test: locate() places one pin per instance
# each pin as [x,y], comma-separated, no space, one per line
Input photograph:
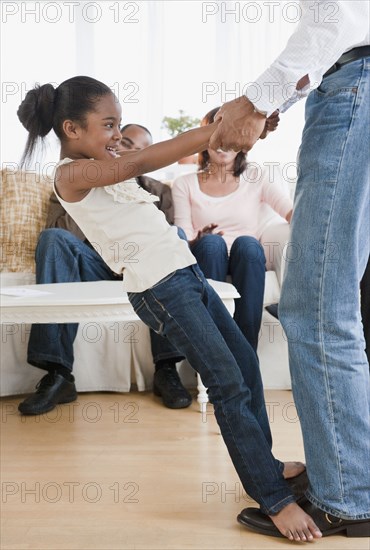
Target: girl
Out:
[164,285]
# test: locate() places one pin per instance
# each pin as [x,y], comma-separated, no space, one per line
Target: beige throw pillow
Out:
[24,205]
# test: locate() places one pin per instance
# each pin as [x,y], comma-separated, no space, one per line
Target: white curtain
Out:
[158,57]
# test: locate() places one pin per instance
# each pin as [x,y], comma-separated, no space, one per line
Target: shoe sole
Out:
[43,411]
[176,406]
[260,530]
[357,530]
[168,405]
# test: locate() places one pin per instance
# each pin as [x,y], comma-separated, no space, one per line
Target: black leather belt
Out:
[352,55]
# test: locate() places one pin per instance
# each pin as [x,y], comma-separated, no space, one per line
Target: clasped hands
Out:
[207,230]
[240,126]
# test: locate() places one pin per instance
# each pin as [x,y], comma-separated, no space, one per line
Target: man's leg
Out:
[365,308]
[60,257]
[319,307]
[166,380]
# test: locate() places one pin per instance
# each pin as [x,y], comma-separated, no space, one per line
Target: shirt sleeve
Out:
[181,198]
[326,30]
[166,204]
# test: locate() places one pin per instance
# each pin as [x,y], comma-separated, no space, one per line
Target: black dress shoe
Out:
[255,520]
[298,484]
[52,389]
[273,310]
[167,384]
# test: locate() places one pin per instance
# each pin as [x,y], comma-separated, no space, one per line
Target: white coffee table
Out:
[102,301]
[68,303]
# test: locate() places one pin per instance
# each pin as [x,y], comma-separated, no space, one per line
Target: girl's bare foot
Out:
[295,524]
[292,469]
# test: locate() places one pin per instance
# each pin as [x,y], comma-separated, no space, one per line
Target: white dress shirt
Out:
[327,29]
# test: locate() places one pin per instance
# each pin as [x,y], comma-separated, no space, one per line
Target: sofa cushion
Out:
[24,204]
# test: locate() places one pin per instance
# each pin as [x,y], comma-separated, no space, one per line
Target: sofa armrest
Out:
[274,240]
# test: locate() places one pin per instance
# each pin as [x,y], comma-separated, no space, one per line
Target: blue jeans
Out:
[185,308]
[247,266]
[63,258]
[319,307]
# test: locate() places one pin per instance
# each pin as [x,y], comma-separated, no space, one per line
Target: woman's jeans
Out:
[185,308]
[63,258]
[246,265]
[320,307]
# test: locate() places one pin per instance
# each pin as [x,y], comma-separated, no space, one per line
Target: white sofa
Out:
[111,356]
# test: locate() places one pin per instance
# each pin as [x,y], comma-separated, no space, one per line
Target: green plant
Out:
[176,126]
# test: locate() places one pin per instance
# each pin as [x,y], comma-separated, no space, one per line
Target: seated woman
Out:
[220,208]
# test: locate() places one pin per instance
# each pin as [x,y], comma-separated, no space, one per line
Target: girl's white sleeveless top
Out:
[130,233]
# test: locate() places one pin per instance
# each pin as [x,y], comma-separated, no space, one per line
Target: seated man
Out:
[63,254]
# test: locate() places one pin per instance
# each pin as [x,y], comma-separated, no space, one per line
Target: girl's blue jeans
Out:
[63,258]
[184,308]
[246,265]
[320,301]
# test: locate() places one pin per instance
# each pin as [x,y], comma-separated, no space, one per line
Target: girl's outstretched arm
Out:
[75,179]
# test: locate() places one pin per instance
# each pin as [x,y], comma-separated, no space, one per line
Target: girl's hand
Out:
[271,124]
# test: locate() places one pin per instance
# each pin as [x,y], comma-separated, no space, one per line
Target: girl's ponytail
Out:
[45,108]
[36,113]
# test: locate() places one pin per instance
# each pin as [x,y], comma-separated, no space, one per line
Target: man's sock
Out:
[63,371]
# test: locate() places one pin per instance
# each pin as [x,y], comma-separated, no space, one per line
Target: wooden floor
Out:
[120,471]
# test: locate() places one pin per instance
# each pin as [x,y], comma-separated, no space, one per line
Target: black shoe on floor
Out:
[273,310]
[53,389]
[167,384]
[298,484]
[255,520]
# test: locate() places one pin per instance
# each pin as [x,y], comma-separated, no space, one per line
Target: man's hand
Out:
[240,126]
[271,124]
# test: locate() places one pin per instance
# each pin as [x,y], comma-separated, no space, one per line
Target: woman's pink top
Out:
[243,212]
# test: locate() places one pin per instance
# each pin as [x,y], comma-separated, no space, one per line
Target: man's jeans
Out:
[63,258]
[185,308]
[247,266]
[319,307]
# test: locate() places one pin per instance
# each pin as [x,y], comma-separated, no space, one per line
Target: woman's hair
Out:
[240,161]
[45,108]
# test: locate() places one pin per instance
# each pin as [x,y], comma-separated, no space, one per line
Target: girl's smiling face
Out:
[100,136]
